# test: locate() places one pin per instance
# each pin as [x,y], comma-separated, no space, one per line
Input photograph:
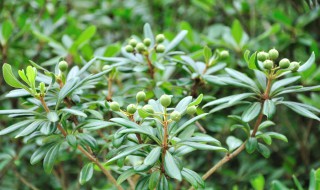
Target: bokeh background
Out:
[46,30]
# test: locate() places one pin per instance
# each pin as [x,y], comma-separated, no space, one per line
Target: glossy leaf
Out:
[251,112]
[171,167]
[86,173]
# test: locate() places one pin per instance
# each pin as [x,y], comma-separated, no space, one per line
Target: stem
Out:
[165,140]
[24,181]
[151,70]
[87,154]
[228,157]
[109,97]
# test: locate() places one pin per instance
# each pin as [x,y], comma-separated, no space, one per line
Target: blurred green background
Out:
[46,30]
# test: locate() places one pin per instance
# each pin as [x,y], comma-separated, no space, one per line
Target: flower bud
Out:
[148,108]
[268,64]
[114,106]
[141,96]
[42,87]
[140,47]
[294,66]
[284,63]
[129,48]
[165,100]
[160,48]
[147,42]
[133,42]
[131,108]
[175,116]
[191,110]
[106,67]
[63,66]
[160,38]
[273,54]
[224,54]
[262,56]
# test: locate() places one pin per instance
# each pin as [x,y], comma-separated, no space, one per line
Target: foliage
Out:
[159,110]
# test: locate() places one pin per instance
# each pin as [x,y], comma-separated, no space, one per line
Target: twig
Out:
[228,157]
[24,181]
[87,154]
[151,70]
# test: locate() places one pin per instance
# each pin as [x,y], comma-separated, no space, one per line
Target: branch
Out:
[228,157]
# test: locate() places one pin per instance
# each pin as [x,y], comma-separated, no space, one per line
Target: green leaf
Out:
[30,128]
[275,135]
[163,184]
[154,179]
[86,139]
[171,167]
[195,176]
[308,63]
[297,183]
[253,62]
[6,31]
[17,93]
[189,122]
[200,146]
[277,185]
[176,41]
[300,110]
[251,145]
[153,156]
[233,143]
[83,38]
[190,179]
[269,108]
[15,127]
[125,175]
[74,112]
[202,138]
[265,124]
[266,138]
[264,150]
[207,54]
[281,83]
[125,123]
[183,104]
[241,77]
[39,153]
[237,31]
[258,182]
[53,117]
[11,79]
[93,124]
[72,140]
[142,113]
[196,101]
[148,33]
[251,112]
[86,173]
[127,151]
[229,99]
[50,158]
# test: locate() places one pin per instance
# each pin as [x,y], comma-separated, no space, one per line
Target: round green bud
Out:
[284,63]
[262,56]
[106,67]
[160,38]
[165,100]
[141,96]
[224,54]
[129,48]
[147,42]
[133,42]
[191,110]
[131,108]
[114,106]
[268,64]
[140,47]
[160,48]
[148,108]
[273,54]
[175,116]
[63,66]
[294,66]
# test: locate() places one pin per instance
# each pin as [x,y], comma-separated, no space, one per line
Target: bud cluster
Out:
[269,59]
[140,47]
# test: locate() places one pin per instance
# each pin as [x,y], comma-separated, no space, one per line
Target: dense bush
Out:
[107,107]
